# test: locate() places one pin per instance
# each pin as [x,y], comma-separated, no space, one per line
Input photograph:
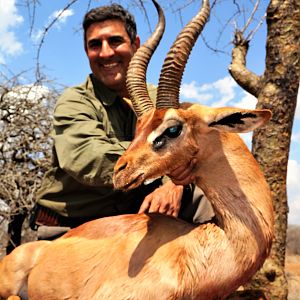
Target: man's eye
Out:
[173,132]
[115,41]
[94,44]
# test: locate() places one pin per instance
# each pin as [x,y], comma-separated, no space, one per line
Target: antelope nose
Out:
[120,166]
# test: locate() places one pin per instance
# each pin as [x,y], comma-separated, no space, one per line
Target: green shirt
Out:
[92,129]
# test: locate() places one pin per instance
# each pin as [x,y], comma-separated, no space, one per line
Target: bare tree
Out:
[277,90]
[25,148]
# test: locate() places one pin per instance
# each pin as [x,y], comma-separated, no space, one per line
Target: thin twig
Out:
[44,34]
[251,17]
[252,33]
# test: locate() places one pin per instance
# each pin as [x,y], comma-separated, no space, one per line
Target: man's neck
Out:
[123,93]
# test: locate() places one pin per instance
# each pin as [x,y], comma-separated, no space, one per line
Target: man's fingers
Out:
[174,213]
[154,207]
[145,205]
[164,209]
[165,200]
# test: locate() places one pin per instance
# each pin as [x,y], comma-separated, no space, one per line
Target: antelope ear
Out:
[239,120]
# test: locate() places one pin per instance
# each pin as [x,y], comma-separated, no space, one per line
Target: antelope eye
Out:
[173,132]
[159,142]
[170,133]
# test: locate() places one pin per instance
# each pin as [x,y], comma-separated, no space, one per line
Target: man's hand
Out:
[166,200]
[183,175]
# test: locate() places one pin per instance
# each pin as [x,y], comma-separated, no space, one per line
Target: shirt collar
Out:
[104,94]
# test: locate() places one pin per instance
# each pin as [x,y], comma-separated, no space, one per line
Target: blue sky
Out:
[206,78]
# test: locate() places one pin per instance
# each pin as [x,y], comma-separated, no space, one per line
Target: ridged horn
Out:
[175,61]
[136,74]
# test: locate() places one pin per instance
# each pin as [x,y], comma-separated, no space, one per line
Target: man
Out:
[93,126]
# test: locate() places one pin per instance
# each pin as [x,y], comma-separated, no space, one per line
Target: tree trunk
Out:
[276,90]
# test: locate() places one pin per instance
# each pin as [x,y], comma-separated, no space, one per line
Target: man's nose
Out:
[106,50]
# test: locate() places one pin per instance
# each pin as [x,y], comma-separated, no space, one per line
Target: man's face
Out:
[109,51]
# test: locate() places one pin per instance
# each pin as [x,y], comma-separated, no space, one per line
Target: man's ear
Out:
[239,120]
[137,42]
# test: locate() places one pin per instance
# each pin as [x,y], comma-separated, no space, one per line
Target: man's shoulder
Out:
[79,89]
[78,93]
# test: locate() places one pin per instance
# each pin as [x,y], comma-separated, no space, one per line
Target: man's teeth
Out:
[112,65]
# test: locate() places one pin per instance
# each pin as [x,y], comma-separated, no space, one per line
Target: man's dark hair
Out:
[113,11]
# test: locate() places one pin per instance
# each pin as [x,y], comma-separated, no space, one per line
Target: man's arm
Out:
[84,149]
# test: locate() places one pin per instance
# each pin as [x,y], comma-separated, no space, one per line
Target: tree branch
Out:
[44,34]
[244,77]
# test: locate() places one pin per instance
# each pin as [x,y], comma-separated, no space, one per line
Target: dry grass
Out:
[293,276]
[3,237]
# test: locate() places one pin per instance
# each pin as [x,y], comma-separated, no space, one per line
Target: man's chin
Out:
[113,82]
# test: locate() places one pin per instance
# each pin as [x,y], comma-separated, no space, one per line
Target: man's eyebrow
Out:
[117,36]
[93,40]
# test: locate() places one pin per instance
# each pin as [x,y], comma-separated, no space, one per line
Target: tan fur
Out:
[229,176]
[155,256]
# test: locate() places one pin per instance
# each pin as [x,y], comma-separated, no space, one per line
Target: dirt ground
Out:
[293,276]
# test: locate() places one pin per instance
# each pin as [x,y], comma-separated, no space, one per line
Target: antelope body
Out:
[153,256]
[217,258]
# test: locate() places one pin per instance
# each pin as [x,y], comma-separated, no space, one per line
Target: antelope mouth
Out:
[134,183]
[125,185]
[150,180]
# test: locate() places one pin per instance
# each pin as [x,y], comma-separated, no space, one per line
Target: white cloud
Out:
[294,210]
[218,93]
[293,185]
[247,137]
[293,177]
[8,15]
[37,35]
[9,43]
[296,137]
[297,113]
[194,92]
[226,88]
[60,17]
[9,19]
[2,60]
[248,101]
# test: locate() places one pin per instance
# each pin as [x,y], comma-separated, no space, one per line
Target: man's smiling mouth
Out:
[110,65]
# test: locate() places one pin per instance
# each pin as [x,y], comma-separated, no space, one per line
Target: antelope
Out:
[154,256]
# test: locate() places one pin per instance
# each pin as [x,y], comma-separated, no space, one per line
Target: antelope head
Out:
[160,129]
[169,134]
